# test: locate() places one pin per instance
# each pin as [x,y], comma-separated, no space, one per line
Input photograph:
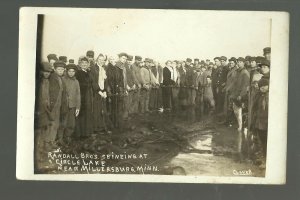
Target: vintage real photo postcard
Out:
[152,95]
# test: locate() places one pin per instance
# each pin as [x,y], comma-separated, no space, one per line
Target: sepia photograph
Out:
[152,95]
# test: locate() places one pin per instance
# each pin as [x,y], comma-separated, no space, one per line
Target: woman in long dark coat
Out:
[99,86]
[84,122]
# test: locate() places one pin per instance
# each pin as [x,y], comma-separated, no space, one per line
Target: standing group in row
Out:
[99,95]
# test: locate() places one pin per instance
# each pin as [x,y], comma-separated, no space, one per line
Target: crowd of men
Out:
[99,95]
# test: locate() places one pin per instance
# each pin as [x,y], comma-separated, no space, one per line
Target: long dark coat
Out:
[116,91]
[99,103]
[260,111]
[84,121]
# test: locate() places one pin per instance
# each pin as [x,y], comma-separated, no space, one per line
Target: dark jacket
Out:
[54,88]
[183,77]
[260,111]
[219,76]
[167,80]
[115,80]
[242,83]
[191,77]
[85,85]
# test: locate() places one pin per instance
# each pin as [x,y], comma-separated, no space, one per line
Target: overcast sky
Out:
[158,34]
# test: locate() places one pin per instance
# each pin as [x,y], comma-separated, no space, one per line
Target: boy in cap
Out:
[260,115]
[265,68]
[58,101]
[74,103]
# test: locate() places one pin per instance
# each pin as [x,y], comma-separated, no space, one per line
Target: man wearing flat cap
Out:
[136,73]
[52,58]
[225,67]
[148,81]
[231,77]
[239,93]
[219,76]
[223,60]
[190,91]
[131,87]
[267,53]
[91,56]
